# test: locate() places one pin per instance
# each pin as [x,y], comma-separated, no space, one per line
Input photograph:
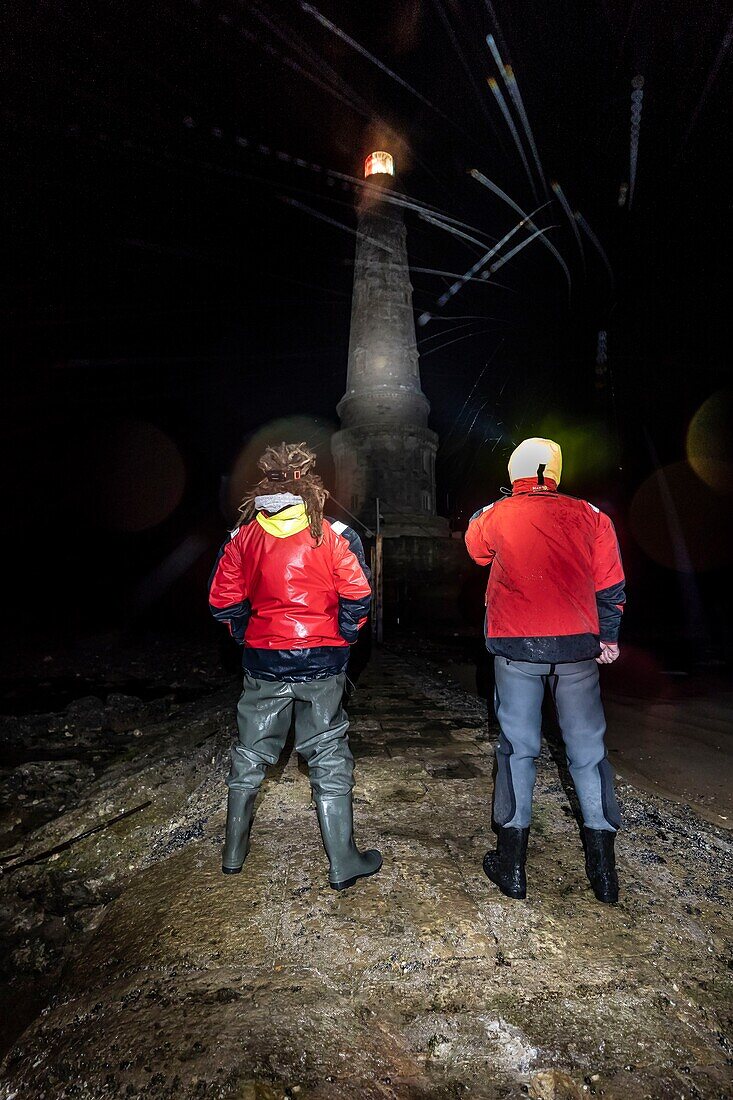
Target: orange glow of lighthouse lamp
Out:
[379,164]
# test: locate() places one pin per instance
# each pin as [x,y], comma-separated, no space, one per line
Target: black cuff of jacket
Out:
[609,602]
[235,617]
[351,613]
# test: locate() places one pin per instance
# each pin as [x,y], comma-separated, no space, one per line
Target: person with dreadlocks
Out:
[553,612]
[294,590]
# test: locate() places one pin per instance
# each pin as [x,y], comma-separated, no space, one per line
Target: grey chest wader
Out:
[263,718]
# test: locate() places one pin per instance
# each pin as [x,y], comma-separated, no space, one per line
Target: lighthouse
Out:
[385,449]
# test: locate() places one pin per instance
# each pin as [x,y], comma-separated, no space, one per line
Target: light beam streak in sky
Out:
[370,57]
[519,247]
[596,244]
[464,317]
[320,63]
[486,182]
[450,229]
[466,336]
[455,275]
[288,61]
[497,27]
[461,57]
[310,10]
[478,413]
[472,271]
[423,209]
[569,215]
[332,221]
[712,76]
[398,199]
[498,96]
[384,193]
[491,43]
[481,262]
[444,332]
[473,389]
[637,97]
[394,197]
[519,104]
[349,97]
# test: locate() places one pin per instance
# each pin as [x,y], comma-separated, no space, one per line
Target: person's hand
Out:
[609,653]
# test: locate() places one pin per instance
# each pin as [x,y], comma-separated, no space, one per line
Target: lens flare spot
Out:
[638,675]
[315,431]
[141,476]
[710,442]
[677,521]
[587,450]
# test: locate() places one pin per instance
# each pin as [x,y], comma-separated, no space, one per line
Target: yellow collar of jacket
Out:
[288,522]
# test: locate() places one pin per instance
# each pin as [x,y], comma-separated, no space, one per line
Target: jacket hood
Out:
[287,522]
[533,453]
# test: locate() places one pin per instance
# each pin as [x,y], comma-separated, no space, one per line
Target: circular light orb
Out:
[141,476]
[677,521]
[587,449]
[315,431]
[710,441]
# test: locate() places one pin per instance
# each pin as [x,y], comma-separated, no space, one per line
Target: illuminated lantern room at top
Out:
[379,163]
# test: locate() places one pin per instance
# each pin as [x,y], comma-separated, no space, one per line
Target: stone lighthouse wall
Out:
[385,448]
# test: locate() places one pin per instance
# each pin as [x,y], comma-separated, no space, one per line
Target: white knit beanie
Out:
[533,453]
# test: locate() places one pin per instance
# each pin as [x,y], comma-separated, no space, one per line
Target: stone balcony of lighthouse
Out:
[398,406]
[383,387]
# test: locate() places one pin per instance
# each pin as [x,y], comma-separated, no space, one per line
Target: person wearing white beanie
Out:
[553,611]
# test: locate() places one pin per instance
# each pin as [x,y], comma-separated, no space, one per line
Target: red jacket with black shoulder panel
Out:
[556,587]
[294,607]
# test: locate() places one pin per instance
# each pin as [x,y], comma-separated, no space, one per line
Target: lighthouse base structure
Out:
[394,465]
[431,584]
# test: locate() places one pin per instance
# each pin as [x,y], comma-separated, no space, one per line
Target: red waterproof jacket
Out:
[295,607]
[556,586]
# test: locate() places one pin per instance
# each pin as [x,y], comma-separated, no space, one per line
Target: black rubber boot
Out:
[240,805]
[347,863]
[600,864]
[505,866]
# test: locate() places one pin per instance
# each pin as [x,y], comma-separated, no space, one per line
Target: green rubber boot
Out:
[347,863]
[240,805]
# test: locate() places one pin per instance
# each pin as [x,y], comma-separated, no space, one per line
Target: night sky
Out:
[164,297]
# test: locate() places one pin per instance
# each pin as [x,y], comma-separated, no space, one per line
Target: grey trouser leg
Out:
[577,694]
[320,735]
[518,695]
[263,720]
[518,700]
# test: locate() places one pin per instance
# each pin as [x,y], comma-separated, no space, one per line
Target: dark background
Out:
[162,297]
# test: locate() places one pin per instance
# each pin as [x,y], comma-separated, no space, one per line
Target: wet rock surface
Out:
[164,978]
[60,732]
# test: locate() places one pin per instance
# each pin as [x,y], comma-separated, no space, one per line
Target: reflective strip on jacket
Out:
[556,586]
[295,607]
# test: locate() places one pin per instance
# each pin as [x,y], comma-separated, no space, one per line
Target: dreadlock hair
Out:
[289,469]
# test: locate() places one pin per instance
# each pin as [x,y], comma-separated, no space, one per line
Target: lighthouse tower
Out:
[385,448]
